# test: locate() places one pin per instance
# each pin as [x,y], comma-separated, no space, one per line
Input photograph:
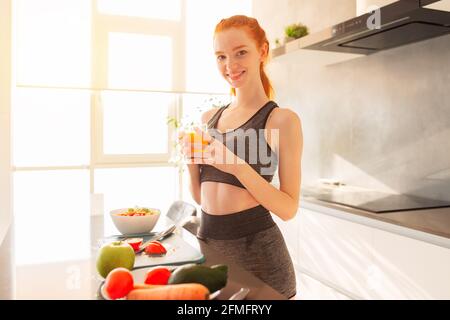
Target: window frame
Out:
[101,25]
[97,137]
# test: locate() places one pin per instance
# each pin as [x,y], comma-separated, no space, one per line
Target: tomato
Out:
[118,283]
[158,243]
[158,275]
[134,243]
[155,248]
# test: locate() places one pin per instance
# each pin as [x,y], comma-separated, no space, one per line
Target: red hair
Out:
[255,31]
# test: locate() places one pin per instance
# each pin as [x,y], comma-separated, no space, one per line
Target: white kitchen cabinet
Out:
[369,262]
[406,268]
[311,289]
[335,250]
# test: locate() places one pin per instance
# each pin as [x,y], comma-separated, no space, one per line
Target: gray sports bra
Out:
[247,142]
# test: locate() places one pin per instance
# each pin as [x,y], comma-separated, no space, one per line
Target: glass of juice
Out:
[198,141]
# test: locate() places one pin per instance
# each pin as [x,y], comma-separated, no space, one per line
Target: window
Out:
[53,42]
[156,9]
[51,127]
[95,84]
[53,198]
[133,122]
[137,61]
[122,188]
[201,69]
[195,104]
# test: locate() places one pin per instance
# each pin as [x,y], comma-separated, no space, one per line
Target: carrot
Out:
[147,286]
[184,291]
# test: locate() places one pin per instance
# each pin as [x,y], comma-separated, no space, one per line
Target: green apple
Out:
[115,255]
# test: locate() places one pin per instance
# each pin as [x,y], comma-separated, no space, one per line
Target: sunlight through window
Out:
[129,187]
[53,42]
[157,9]
[195,104]
[51,127]
[135,123]
[52,208]
[74,59]
[139,61]
[201,69]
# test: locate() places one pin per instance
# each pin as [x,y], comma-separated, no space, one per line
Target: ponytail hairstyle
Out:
[255,31]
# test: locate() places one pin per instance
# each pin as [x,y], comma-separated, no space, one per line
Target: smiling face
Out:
[238,58]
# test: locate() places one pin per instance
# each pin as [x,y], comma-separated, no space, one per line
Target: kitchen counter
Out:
[430,225]
[74,276]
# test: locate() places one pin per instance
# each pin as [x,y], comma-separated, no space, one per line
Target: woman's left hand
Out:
[218,155]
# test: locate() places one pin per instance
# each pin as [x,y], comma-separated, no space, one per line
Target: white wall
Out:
[5,123]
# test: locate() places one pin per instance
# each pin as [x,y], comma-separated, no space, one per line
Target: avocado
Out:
[220,267]
[214,278]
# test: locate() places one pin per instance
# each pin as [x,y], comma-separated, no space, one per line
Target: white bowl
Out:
[134,224]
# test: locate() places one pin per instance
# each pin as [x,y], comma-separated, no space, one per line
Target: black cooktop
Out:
[379,202]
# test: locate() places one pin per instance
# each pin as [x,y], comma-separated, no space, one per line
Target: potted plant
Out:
[295,31]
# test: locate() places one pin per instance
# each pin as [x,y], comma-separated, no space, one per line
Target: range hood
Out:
[402,22]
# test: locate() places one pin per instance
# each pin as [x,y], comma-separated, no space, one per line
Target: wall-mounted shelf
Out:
[295,52]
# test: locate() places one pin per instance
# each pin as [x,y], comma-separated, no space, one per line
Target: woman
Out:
[235,195]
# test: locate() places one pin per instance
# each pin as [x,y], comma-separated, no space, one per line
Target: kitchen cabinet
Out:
[311,289]
[335,251]
[364,262]
[308,287]
[406,268]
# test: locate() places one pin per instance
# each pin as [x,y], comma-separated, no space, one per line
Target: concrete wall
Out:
[381,121]
[317,14]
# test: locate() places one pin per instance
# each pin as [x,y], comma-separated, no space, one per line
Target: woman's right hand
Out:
[185,144]
[193,144]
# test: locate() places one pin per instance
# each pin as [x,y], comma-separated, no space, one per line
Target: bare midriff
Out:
[221,198]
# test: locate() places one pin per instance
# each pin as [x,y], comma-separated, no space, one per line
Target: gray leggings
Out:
[253,240]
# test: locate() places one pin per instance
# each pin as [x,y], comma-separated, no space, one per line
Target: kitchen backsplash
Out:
[381,121]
